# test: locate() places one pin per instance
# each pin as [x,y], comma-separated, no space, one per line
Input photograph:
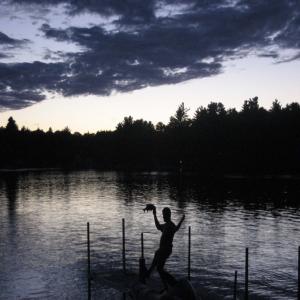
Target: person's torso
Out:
[168,231]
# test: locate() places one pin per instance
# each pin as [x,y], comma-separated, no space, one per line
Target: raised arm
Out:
[157,224]
[179,224]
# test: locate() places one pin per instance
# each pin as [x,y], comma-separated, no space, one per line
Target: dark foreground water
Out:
[43,219]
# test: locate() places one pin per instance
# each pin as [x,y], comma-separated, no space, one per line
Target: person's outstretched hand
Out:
[180,222]
[154,210]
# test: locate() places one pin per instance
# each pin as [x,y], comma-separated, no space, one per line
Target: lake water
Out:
[43,217]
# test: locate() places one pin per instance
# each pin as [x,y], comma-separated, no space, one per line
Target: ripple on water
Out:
[43,233]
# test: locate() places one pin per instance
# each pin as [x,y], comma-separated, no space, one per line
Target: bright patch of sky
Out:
[260,73]
[241,80]
[171,10]
[22,23]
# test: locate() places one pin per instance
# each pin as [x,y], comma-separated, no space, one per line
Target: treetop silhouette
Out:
[215,140]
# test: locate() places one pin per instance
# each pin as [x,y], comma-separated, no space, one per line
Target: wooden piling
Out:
[123,244]
[299,273]
[235,286]
[142,244]
[142,264]
[246,274]
[89,261]
[124,296]
[189,255]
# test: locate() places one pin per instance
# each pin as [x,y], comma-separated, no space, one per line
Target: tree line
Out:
[215,140]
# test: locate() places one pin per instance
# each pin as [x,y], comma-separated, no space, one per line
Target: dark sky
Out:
[77,48]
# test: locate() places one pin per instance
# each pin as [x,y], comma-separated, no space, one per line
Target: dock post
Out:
[235,286]
[123,248]
[142,244]
[142,264]
[189,255]
[246,275]
[89,261]
[124,296]
[299,273]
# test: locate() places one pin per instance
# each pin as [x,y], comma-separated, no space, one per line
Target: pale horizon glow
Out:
[242,79]
[93,48]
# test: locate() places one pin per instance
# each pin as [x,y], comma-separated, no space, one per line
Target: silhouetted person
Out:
[165,247]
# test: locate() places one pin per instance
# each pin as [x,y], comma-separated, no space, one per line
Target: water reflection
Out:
[46,255]
[11,187]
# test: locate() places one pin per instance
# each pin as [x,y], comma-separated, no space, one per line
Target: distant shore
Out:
[159,172]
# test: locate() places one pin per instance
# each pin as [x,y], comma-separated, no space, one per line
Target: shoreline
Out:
[230,176]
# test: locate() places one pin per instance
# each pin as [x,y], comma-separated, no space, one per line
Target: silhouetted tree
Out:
[276,107]
[293,107]
[135,126]
[11,125]
[127,123]
[215,141]
[216,109]
[250,105]
[160,127]
[181,118]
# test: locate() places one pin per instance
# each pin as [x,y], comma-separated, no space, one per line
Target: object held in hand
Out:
[149,207]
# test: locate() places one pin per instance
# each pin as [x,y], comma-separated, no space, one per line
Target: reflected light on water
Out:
[43,231]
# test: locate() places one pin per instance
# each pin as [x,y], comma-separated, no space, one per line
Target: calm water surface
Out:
[43,219]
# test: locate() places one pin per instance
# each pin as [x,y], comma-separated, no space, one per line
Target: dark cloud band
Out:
[151,47]
[6,40]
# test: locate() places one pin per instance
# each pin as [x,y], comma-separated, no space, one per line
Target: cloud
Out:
[125,61]
[24,84]
[151,43]
[134,9]
[18,100]
[7,44]
[2,55]
[6,40]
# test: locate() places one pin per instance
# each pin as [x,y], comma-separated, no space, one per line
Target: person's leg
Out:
[153,265]
[166,277]
[160,268]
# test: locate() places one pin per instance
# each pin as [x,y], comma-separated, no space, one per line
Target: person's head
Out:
[166,214]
